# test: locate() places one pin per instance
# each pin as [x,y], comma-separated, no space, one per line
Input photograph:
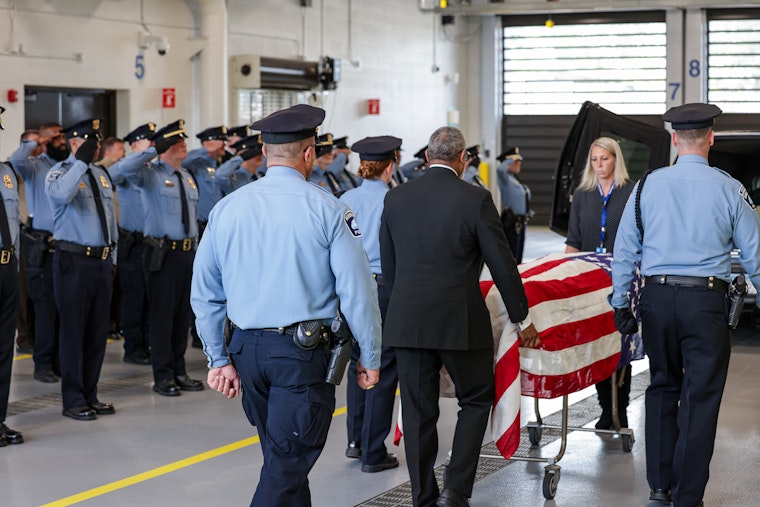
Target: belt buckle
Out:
[663,279]
[5,257]
[187,244]
[106,251]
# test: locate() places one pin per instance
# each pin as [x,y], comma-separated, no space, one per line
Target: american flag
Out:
[567,296]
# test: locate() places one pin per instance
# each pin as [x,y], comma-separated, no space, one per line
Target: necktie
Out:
[99,206]
[183,198]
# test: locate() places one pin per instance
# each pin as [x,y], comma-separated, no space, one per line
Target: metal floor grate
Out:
[579,414]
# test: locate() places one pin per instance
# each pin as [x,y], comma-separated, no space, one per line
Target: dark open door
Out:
[644,147]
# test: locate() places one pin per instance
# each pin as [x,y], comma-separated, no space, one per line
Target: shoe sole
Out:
[81,418]
[196,389]
[371,469]
[354,453]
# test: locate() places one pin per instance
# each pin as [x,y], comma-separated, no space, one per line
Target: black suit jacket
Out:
[435,233]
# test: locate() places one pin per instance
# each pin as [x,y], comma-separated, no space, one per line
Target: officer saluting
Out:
[240,169]
[170,200]
[84,225]
[310,261]
[686,263]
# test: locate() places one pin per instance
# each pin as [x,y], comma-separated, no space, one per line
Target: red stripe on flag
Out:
[543,267]
[507,369]
[578,332]
[554,386]
[397,436]
[509,441]
[540,291]
[485,286]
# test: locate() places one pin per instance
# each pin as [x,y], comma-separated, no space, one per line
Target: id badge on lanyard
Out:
[605,199]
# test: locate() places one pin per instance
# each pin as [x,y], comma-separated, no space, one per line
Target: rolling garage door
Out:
[616,60]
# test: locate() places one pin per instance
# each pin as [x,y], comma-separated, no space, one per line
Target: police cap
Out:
[692,116]
[513,153]
[324,145]
[474,151]
[377,148]
[341,143]
[2,110]
[84,129]
[239,131]
[250,142]
[141,132]
[213,134]
[291,124]
[176,129]
[421,153]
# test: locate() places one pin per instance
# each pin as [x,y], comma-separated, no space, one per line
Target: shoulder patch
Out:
[745,195]
[350,221]
[54,175]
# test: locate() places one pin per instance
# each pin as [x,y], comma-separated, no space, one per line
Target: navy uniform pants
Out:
[286,397]
[83,287]
[419,378]
[134,304]
[370,413]
[8,309]
[40,287]
[687,341]
[169,312]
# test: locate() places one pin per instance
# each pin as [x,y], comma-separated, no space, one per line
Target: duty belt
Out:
[184,245]
[706,282]
[100,252]
[6,256]
[291,330]
[378,278]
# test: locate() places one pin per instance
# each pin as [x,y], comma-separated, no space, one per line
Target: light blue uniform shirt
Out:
[131,211]
[231,175]
[692,215]
[281,251]
[161,199]
[9,196]
[318,177]
[514,194]
[413,169]
[33,171]
[72,200]
[203,169]
[367,202]
[338,169]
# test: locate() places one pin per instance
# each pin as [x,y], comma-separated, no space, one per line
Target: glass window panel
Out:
[734,65]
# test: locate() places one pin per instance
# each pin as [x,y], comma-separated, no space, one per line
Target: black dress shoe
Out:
[390,461]
[11,436]
[137,357]
[80,413]
[101,408]
[187,384]
[354,450]
[451,498]
[166,388]
[26,348]
[3,441]
[46,376]
[660,495]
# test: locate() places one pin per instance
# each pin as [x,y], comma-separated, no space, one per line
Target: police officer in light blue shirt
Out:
[9,299]
[84,225]
[276,253]
[130,252]
[370,413]
[416,168]
[472,173]
[515,200]
[679,226]
[324,157]
[203,168]
[170,200]
[240,169]
[339,166]
[32,161]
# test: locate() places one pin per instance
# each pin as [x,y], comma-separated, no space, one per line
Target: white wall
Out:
[392,39]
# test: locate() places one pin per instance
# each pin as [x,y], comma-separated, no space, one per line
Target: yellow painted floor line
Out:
[157,472]
[19,357]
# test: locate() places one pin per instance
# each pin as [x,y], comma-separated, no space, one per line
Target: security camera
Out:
[161,41]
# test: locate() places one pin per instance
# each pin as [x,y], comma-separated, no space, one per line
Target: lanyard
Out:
[602,233]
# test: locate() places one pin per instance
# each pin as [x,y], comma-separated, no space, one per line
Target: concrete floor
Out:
[199,450]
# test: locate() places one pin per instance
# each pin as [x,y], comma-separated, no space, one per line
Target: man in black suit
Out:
[436,231]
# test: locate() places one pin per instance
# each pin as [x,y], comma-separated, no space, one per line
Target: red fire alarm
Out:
[169,95]
[12,96]
[373,106]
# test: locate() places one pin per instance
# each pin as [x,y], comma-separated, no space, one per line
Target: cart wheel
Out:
[627,442]
[534,434]
[550,484]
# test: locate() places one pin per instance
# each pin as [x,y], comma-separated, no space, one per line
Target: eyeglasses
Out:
[309,146]
[467,156]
